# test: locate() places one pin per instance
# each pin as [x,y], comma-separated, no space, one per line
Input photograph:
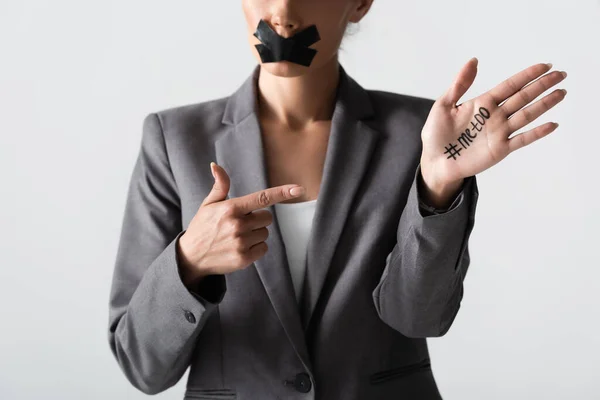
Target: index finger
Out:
[265,198]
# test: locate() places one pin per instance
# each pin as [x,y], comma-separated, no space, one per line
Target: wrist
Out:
[190,275]
[438,193]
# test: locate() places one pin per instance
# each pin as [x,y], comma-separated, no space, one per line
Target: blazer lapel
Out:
[351,144]
[240,152]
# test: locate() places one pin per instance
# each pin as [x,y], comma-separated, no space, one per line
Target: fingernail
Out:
[296,191]
[565,91]
[549,65]
[212,171]
[564,74]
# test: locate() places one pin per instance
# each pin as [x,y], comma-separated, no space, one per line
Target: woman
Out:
[360,266]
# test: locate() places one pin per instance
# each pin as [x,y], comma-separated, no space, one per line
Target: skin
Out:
[295,103]
[510,108]
[295,108]
[291,94]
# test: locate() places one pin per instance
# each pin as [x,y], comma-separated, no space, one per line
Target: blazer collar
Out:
[351,143]
[243,101]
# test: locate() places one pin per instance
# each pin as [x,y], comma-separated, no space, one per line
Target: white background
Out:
[77,78]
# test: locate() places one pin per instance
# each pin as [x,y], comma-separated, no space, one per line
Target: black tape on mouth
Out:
[293,49]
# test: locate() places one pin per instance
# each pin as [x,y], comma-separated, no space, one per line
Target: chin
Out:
[285,69]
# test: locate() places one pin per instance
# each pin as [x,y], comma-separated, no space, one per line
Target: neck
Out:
[301,100]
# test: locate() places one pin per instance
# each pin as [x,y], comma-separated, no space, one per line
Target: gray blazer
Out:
[361,330]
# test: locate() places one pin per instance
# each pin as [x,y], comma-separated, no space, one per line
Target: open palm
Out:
[463,140]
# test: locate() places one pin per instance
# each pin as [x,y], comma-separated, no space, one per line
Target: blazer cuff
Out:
[440,228]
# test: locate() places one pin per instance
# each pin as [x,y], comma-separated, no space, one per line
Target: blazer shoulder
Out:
[199,116]
[386,103]
[400,116]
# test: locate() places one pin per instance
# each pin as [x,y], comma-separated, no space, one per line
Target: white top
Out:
[295,222]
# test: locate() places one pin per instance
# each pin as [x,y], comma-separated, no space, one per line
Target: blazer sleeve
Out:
[154,320]
[421,287]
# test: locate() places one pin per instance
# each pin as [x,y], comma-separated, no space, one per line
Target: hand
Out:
[227,235]
[463,140]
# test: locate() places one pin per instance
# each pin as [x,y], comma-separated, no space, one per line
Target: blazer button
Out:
[190,316]
[302,382]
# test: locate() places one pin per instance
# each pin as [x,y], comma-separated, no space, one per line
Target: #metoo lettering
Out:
[466,137]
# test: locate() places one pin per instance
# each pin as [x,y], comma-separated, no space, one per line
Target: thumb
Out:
[461,84]
[220,188]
